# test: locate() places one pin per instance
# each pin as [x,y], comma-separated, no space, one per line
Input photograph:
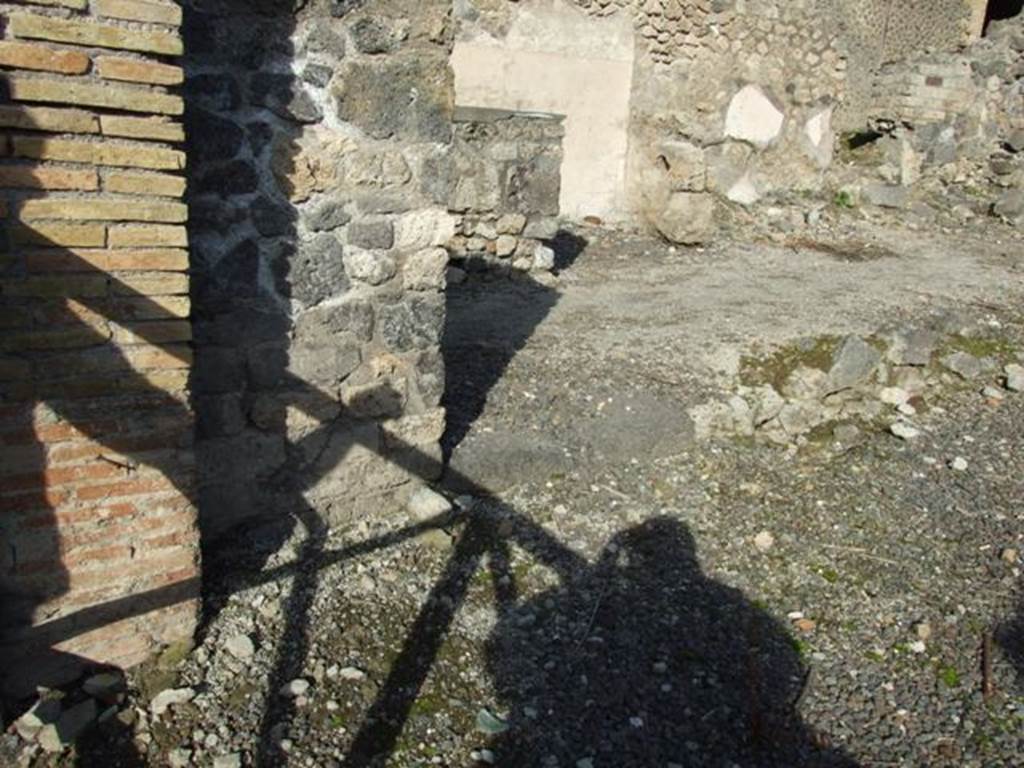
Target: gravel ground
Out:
[629,595]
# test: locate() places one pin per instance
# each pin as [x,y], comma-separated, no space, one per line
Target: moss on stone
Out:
[776,367]
[997,347]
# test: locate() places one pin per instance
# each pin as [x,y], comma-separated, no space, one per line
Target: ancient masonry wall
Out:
[96,465]
[506,190]
[732,100]
[931,89]
[879,32]
[318,184]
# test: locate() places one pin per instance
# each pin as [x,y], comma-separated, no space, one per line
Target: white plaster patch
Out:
[556,59]
[753,117]
[743,192]
[816,128]
[818,131]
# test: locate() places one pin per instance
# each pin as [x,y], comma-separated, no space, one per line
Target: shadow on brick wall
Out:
[77,408]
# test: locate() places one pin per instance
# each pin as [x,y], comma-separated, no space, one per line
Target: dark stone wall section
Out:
[313,127]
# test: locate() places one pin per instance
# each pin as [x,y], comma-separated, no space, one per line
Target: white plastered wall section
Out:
[557,59]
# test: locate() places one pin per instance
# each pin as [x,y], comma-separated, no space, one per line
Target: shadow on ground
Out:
[643,660]
[737,679]
[484,329]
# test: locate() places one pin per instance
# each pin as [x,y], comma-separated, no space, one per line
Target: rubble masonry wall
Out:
[318,142]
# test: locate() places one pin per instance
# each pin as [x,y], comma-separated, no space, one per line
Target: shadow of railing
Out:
[226,277]
[481,536]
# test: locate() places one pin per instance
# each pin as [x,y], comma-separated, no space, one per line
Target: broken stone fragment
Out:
[805,383]
[766,404]
[710,418]
[993,393]
[753,117]
[541,228]
[894,396]
[967,366]
[820,137]
[1014,377]
[912,346]
[846,434]
[742,416]
[426,504]
[885,195]
[687,218]
[801,417]
[295,688]
[105,685]
[44,712]
[168,698]
[1015,141]
[352,674]
[744,191]
[73,722]
[543,257]
[904,431]
[853,364]
[1010,207]
[240,646]
[764,541]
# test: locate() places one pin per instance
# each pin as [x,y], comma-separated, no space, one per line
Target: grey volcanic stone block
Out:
[318,270]
[407,97]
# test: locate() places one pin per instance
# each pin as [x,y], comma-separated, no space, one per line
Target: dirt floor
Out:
[619,585]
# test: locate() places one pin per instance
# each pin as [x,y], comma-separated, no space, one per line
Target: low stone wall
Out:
[99,563]
[505,189]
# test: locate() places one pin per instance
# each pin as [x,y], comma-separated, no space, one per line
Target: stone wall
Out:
[505,189]
[743,113]
[879,32]
[99,556]
[787,36]
[803,69]
[943,122]
[319,134]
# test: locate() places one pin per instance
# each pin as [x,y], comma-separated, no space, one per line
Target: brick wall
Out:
[923,90]
[99,551]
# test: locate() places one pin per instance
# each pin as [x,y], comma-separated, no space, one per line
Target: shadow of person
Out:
[643,660]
